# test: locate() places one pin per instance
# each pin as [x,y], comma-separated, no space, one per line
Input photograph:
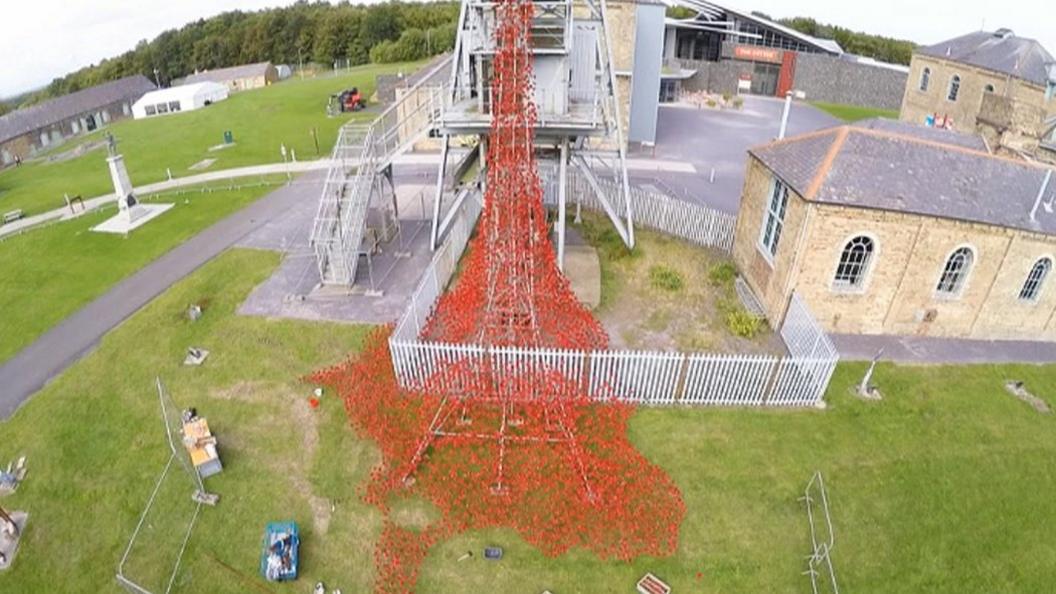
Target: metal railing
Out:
[819,562]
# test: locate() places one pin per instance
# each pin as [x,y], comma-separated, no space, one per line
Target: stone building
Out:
[27,130]
[237,78]
[892,228]
[996,84]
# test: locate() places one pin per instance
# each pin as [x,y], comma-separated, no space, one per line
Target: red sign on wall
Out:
[757,54]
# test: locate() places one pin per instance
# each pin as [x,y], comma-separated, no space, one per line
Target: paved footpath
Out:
[64,214]
[953,351]
[71,339]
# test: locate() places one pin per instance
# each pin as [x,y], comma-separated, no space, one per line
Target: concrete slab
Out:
[292,291]
[122,225]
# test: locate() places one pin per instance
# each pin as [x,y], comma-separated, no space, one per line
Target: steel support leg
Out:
[562,182]
[433,238]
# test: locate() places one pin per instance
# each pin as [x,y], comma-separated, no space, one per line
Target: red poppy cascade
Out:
[520,447]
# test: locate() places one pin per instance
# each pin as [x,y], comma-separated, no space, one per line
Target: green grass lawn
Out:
[945,486]
[51,272]
[853,113]
[261,121]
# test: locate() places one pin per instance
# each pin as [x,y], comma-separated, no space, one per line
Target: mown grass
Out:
[853,113]
[945,486]
[261,120]
[51,272]
[95,443]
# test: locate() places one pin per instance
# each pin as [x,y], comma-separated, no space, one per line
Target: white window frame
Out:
[966,274]
[866,271]
[1039,283]
[956,78]
[925,80]
[777,212]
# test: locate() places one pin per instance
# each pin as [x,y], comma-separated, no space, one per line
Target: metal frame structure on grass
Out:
[171,417]
[819,562]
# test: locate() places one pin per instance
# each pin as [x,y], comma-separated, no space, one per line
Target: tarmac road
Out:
[29,370]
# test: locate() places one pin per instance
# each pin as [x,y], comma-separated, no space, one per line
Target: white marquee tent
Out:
[181,98]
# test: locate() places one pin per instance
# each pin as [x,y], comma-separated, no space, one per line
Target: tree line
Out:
[885,49]
[304,32]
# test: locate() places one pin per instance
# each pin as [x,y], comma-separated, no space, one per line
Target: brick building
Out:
[237,78]
[892,228]
[995,84]
[27,130]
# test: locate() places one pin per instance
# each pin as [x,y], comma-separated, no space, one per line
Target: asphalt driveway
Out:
[714,139]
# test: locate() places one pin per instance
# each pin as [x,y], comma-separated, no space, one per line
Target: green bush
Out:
[664,278]
[738,102]
[741,322]
[722,274]
[711,103]
[725,97]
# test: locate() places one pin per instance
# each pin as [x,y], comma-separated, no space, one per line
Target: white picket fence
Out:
[695,223]
[642,377]
[440,270]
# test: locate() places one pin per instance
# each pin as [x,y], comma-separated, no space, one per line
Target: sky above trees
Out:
[45,39]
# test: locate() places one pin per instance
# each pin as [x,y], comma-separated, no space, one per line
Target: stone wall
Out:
[918,104]
[768,277]
[820,77]
[836,80]
[898,295]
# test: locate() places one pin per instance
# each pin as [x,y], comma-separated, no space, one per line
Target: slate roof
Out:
[972,141]
[34,117]
[862,167]
[1017,56]
[223,75]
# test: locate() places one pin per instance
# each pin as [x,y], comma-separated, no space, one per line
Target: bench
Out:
[14,215]
[650,584]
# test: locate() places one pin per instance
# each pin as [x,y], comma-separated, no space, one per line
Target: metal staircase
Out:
[361,162]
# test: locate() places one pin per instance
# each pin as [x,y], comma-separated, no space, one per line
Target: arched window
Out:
[989,88]
[854,263]
[925,79]
[955,87]
[956,271]
[1032,286]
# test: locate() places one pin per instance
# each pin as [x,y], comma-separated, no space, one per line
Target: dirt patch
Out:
[303,418]
[414,513]
[1019,390]
[307,419]
[249,391]
[662,296]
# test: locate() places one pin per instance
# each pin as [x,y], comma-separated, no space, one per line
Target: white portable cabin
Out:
[176,99]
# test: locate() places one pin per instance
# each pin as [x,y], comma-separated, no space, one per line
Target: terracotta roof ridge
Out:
[826,164]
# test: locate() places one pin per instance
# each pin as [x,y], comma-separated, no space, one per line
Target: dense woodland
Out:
[885,49]
[304,32]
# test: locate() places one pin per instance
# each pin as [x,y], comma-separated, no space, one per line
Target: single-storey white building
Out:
[181,98]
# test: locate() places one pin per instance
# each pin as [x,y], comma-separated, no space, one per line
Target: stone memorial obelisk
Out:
[130,212]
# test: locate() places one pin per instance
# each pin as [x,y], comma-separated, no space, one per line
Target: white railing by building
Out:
[644,377]
[694,223]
